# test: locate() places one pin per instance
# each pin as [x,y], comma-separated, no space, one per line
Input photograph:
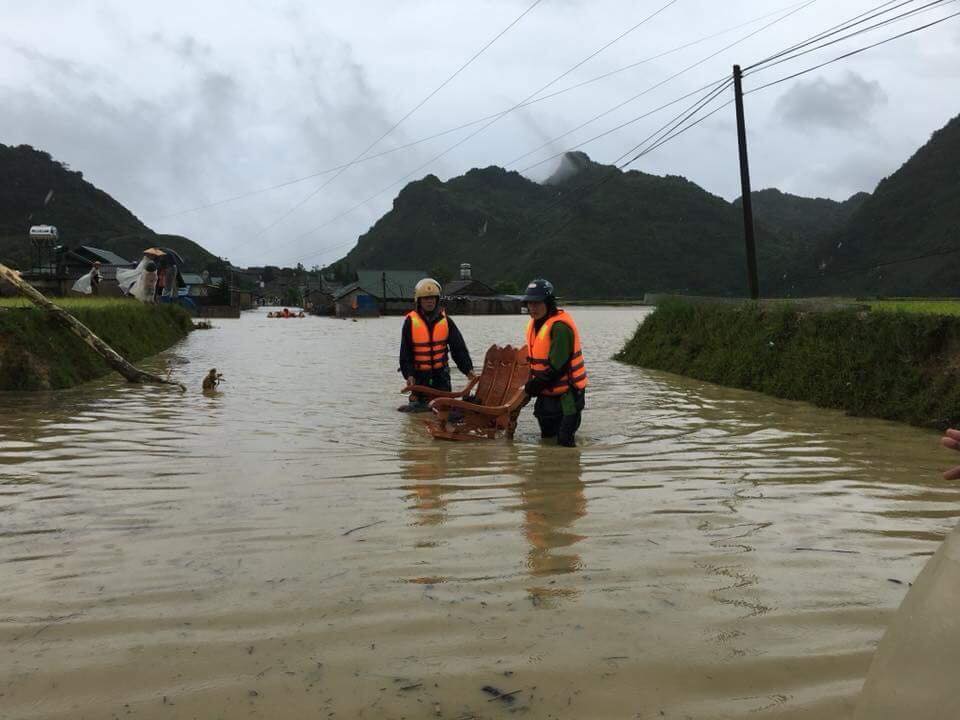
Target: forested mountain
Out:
[593,230]
[35,189]
[905,238]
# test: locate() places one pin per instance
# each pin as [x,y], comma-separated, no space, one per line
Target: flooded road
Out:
[295,548]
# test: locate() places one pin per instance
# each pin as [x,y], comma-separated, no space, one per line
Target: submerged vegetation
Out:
[38,354]
[894,365]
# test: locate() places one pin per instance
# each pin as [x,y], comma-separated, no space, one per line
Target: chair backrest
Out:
[505,371]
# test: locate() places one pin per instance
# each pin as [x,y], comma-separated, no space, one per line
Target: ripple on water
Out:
[296,537]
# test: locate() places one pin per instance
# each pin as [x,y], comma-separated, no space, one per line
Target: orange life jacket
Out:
[574,374]
[429,344]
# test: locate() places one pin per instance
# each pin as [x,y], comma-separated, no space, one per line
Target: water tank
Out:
[43,232]
[466,272]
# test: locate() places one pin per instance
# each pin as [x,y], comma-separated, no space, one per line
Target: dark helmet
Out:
[540,290]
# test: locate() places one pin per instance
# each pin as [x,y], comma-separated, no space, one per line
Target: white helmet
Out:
[428,287]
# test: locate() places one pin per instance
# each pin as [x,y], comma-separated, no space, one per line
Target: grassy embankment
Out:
[38,354]
[898,363]
[934,306]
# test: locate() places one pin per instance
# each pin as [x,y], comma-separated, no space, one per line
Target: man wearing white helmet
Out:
[428,339]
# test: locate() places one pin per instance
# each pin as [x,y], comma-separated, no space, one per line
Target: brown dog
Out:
[212,379]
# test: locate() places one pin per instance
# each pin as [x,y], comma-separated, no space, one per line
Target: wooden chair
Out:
[492,410]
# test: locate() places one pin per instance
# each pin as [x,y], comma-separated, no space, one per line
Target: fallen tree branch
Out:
[111,356]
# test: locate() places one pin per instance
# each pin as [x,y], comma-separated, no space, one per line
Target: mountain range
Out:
[595,231]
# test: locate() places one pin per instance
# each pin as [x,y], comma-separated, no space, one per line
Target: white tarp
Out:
[138,282]
[84,284]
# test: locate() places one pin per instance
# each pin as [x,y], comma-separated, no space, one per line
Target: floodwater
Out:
[294,548]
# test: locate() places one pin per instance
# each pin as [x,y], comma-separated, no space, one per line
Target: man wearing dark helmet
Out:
[558,376]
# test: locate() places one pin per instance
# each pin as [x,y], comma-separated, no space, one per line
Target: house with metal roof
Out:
[468,296]
[388,292]
[72,263]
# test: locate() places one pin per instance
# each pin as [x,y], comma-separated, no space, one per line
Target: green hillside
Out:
[800,223]
[913,213]
[600,233]
[632,234]
[799,218]
[83,214]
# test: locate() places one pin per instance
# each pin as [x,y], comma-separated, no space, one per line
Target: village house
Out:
[468,296]
[378,292]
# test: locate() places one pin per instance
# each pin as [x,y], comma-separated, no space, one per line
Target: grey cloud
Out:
[859,171]
[168,108]
[53,66]
[186,47]
[212,135]
[842,105]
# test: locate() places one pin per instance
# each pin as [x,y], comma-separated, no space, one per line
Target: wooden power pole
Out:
[746,199]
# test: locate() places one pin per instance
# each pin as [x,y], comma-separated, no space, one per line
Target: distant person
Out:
[145,289]
[270,314]
[170,281]
[211,380]
[427,340]
[96,277]
[558,377]
[161,280]
[286,312]
[301,314]
[84,283]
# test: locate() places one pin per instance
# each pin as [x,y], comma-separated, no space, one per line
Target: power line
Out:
[677,127]
[494,119]
[614,129]
[700,62]
[588,189]
[852,53]
[677,133]
[397,124]
[884,23]
[678,130]
[874,266]
[846,24]
[477,121]
[663,82]
[724,83]
[821,35]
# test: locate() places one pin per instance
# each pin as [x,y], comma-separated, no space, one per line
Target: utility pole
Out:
[745,187]
[383,280]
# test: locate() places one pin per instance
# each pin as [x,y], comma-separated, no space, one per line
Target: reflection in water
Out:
[424,471]
[296,548]
[552,500]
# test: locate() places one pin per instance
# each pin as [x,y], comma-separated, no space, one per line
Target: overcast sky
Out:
[167,106]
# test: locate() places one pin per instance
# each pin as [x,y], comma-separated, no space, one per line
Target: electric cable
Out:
[397,124]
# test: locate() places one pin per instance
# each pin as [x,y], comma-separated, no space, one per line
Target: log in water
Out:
[293,547]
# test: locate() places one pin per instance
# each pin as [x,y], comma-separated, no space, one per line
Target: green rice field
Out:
[945,306]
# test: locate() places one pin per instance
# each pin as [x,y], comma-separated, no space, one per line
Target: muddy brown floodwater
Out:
[706,552]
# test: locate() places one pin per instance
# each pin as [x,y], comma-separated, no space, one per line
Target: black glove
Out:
[535,386]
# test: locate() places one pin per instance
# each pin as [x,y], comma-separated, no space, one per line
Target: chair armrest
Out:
[519,400]
[431,392]
[516,402]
